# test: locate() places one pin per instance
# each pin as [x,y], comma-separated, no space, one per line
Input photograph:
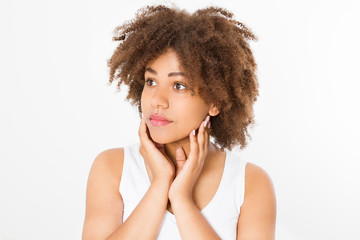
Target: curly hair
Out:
[214,52]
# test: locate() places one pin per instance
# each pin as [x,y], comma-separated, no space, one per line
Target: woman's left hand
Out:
[188,170]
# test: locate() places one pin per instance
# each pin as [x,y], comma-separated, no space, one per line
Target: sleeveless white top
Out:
[222,212]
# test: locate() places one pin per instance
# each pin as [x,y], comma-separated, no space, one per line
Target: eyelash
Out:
[181,85]
[148,83]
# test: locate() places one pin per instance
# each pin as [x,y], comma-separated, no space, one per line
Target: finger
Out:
[207,136]
[143,135]
[141,129]
[203,134]
[206,142]
[200,137]
[180,159]
[194,147]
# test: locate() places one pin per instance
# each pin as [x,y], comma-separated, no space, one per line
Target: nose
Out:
[159,99]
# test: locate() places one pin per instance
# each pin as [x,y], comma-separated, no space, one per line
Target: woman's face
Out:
[170,110]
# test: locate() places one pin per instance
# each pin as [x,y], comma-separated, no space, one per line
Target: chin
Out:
[164,138]
[161,138]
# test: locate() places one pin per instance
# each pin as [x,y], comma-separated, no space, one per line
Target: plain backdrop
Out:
[58,112]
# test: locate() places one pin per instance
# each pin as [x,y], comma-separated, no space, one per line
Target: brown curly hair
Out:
[212,49]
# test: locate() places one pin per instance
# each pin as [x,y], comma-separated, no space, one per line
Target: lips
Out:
[157,120]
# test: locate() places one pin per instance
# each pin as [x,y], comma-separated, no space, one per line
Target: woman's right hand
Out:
[161,167]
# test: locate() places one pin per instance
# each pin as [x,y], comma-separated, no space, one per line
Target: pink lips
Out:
[158,120]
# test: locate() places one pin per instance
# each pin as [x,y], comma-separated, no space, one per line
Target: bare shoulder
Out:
[103,200]
[257,179]
[104,177]
[109,161]
[259,188]
[258,212]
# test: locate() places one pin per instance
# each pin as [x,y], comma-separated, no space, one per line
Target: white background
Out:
[58,113]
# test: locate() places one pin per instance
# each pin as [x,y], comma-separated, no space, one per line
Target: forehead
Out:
[168,61]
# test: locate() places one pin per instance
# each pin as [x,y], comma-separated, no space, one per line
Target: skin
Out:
[185,170]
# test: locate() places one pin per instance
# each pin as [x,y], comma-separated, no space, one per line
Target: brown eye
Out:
[150,82]
[179,86]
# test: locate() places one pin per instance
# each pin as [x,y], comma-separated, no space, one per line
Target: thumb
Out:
[180,159]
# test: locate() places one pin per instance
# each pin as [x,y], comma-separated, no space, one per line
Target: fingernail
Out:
[206,120]
[193,132]
[209,125]
[142,115]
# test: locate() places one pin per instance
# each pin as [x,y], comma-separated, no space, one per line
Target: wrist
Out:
[180,199]
[161,184]
[161,178]
[179,205]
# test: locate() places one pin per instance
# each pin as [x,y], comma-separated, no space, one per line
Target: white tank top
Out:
[222,212]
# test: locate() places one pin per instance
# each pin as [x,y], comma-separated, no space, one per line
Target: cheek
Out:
[143,100]
[193,113]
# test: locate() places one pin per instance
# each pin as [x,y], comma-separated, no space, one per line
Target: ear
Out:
[213,111]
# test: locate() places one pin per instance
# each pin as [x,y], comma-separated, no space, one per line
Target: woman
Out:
[192,76]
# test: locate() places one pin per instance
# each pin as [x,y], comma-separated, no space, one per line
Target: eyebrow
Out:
[172,74]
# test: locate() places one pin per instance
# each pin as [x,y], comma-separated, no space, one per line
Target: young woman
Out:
[192,77]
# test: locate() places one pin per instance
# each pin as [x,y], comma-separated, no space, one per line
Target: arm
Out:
[191,223]
[145,221]
[258,212]
[104,206]
[103,200]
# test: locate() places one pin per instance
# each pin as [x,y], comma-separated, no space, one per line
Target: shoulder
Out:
[258,183]
[258,212]
[108,163]
[256,177]
[103,200]
[110,158]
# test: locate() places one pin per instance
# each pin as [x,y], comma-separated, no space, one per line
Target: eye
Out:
[150,82]
[179,86]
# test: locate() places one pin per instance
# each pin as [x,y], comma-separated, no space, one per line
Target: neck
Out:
[170,149]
